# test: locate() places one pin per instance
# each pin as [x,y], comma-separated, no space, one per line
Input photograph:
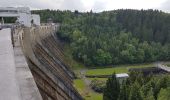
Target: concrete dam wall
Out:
[45,59]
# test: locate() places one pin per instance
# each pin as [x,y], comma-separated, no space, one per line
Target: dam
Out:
[33,66]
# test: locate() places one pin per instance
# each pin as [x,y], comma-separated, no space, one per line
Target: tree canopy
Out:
[112,89]
[114,37]
[138,87]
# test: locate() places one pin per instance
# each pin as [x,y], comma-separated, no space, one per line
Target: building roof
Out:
[122,75]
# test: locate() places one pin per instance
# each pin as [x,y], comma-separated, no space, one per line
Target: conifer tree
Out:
[124,91]
[112,89]
[135,92]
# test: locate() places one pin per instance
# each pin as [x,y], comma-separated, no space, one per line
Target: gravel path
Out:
[86,80]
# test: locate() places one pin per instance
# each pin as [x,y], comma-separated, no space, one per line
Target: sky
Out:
[87,5]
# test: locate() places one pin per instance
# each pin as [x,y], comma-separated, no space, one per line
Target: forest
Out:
[138,87]
[123,36]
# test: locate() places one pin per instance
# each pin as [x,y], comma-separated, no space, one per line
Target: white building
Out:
[121,77]
[23,15]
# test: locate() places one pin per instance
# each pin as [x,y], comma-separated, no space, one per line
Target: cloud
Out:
[87,5]
[165,6]
[40,4]
[72,5]
[99,5]
[45,4]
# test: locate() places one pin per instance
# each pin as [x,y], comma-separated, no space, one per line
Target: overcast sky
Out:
[87,5]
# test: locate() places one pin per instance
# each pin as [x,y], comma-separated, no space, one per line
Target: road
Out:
[164,67]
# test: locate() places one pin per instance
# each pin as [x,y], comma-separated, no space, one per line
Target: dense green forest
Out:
[138,87]
[114,37]
[9,19]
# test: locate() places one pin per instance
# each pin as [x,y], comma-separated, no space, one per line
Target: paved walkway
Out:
[86,80]
[16,80]
[83,72]
[163,67]
[8,83]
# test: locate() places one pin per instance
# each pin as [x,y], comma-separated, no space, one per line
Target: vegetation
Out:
[97,85]
[9,19]
[94,96]
[99,79]
[112,89]
[80,85]
[139,87]
[85,92]
[69,58]
[116,69]
[114,37]
[164,94]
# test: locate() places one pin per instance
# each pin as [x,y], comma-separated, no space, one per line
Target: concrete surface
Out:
[16,79]
[26,83]
[27,86]
[8,84]
[164,67]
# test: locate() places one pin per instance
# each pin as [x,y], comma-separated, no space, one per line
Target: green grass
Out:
[80,85]
[118,69]
[102,79]
[168,65]
[94,96]
[83,90]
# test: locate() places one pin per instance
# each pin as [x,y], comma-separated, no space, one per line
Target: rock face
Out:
[45,59]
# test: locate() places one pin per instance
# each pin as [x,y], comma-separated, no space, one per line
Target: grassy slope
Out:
[80,85]
[85,92]
[118,69]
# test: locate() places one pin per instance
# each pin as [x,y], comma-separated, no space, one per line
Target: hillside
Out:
[114,37]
